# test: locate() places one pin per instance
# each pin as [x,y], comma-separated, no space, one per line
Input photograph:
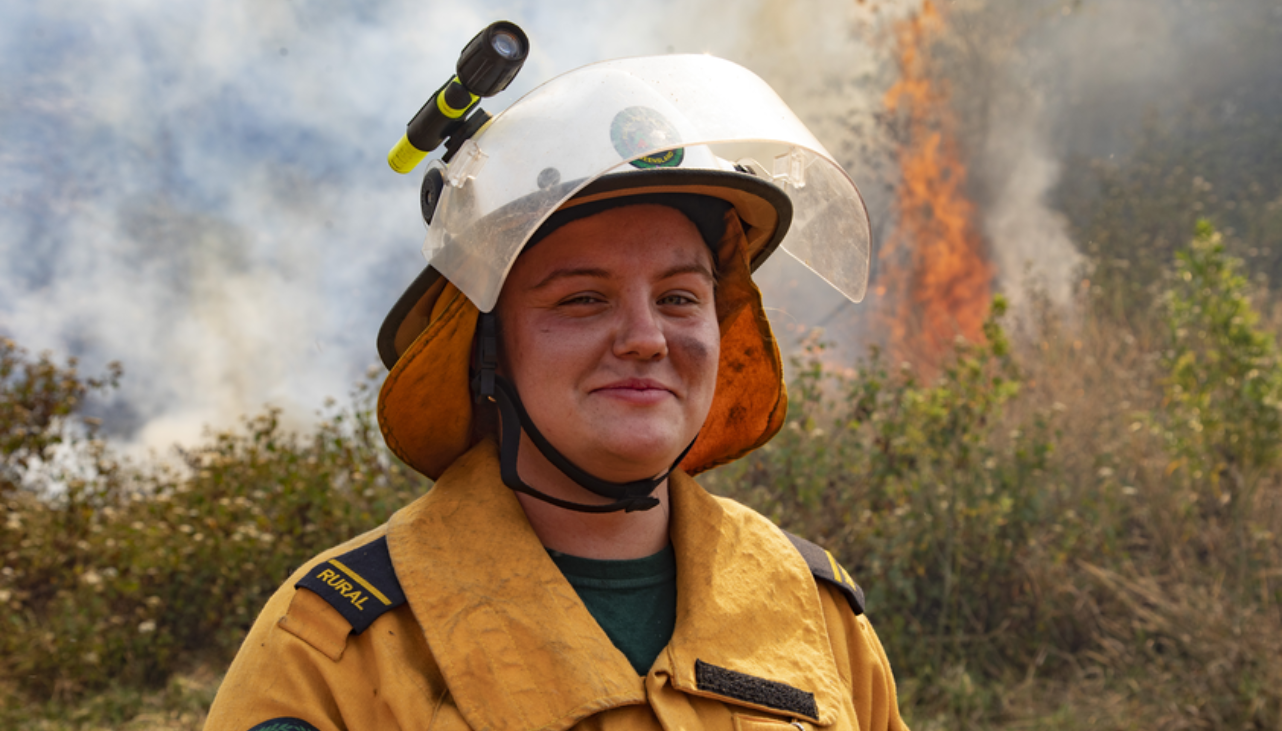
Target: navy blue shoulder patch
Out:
[825,567]
[360,584]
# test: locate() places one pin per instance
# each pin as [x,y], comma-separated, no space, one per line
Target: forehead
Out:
[633,238]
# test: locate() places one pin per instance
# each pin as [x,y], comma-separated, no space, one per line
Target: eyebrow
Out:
[603,274]
[688,269]
[570,272]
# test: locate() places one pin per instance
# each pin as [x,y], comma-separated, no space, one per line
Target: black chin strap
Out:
[487,384]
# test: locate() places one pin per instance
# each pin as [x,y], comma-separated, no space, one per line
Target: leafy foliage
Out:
[36,397]
[125,574]
[1224,388]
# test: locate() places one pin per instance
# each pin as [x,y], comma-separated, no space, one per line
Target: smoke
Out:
[1016,174]
[1054,83]
[179,199]
[198,190]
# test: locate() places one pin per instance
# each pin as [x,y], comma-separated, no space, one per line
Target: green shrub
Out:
[130,572]
[1223,390]
[37,397]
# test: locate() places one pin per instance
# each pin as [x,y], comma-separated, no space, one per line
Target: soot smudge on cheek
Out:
[696,349]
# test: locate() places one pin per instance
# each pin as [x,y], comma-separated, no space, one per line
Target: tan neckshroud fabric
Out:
[493,637]
[425,406]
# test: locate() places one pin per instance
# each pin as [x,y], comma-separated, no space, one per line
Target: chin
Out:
[628,454]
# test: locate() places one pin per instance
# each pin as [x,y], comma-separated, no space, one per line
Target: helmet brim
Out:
[764,211]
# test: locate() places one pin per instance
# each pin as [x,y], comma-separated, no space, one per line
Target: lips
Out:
[635,390]
[636,384]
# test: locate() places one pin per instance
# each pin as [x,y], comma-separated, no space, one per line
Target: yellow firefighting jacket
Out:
[478,629]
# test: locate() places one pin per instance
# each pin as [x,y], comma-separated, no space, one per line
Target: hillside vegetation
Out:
[1073,526]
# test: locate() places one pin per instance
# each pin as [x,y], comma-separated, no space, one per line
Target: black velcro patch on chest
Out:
[751,689]
[360,584]
[825,567]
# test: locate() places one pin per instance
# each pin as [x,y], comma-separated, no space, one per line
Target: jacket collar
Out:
[518,649]
[746,602]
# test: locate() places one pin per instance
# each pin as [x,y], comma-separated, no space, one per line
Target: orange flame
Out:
[934,270]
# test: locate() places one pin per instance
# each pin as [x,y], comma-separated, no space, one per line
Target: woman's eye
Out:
[581,299]
[676,299]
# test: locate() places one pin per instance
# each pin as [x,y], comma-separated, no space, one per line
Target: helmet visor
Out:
[615,117]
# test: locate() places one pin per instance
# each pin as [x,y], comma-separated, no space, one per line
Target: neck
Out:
[617,535]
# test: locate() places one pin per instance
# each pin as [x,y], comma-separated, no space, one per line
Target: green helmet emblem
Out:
[637,129]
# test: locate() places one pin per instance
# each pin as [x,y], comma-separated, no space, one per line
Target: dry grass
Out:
[181,705]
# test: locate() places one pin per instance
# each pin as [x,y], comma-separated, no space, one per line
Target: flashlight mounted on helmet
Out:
[486,66]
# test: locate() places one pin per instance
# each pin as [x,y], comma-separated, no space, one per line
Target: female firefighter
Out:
[587,337]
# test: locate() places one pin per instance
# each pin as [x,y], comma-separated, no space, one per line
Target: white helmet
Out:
[634,127]
[644,118]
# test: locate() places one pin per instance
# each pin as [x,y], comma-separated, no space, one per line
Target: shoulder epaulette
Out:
[360,584]
[825,567]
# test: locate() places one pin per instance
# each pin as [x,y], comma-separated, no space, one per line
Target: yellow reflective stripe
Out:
[358,579]
[445,107]
[845,576]
[839,573]
[836,570]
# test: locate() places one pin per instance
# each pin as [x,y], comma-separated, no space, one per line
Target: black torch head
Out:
[492,59]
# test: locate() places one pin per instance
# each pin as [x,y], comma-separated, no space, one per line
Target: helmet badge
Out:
[637,129]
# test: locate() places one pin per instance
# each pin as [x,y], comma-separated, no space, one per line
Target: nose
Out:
[640,333]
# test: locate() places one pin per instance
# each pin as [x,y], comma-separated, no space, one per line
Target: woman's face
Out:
[609,332]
